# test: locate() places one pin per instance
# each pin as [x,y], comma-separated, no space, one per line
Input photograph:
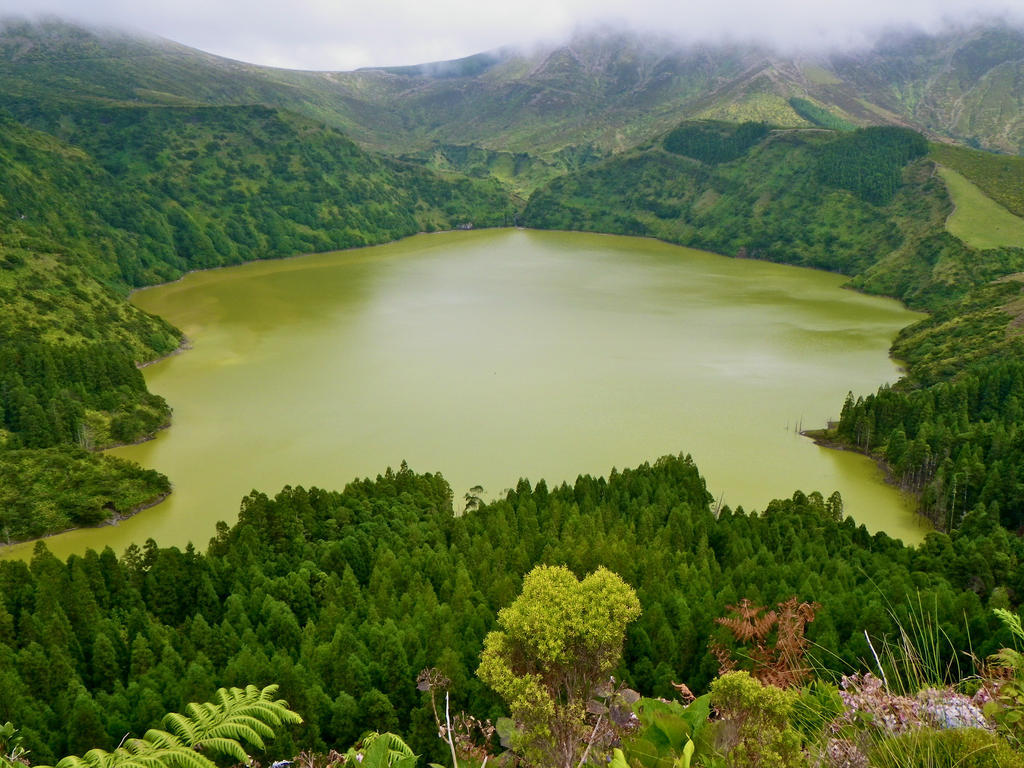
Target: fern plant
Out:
[238,716]
[381,750]
[1007,707]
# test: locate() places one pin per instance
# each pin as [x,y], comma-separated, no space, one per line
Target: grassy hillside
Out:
[53,61]
[977,219]
[998,176]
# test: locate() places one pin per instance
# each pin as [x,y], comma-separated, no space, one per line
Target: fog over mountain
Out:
[325,35]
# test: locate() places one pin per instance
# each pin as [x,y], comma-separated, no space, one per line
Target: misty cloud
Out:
[321,34]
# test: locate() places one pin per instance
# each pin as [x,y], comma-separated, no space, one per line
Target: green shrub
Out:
[754,729]
[953,748]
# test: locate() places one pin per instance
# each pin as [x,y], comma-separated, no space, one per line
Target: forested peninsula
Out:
[363,605]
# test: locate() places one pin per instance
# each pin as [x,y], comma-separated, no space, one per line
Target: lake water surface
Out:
[494,355]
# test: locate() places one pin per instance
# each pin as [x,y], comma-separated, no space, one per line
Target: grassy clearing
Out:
[978,220]
[1001,177]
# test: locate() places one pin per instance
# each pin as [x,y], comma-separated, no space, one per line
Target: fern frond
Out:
[245,728]
[181,726]
[199,718]
[245,715]
[155,740]
[139,753]
[94,758]
[98,758]
[229,698]
[184,758]
[258,703]
[264,711]
[266,702]
[145,758]
[386,750]
[1012,622]
[1009,658]
[393,741]
[238,716]
[228,747]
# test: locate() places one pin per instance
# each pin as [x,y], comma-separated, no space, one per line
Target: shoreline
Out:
[118,517]
[144,439]
[137,289]
[115,518]
[821,438]
[183,346]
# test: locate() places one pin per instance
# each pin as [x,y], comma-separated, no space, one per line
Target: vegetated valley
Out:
[126,162]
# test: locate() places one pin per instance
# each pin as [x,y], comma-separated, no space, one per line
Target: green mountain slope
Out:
[783,199]
[178,188]
[615,90]
[606,91]
[964,85]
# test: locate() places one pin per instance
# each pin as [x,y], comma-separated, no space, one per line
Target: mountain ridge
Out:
[612,90]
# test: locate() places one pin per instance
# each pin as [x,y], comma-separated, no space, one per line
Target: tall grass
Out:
[910,710]
[922,655]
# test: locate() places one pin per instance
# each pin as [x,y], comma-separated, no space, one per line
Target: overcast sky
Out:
[346,34]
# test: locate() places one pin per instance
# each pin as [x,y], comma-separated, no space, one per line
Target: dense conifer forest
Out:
[343,597]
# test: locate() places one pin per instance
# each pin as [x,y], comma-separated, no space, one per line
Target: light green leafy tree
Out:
[753,729]
[557,645]
[213,728]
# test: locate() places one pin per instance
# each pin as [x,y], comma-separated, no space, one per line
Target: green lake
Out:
[499,354]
